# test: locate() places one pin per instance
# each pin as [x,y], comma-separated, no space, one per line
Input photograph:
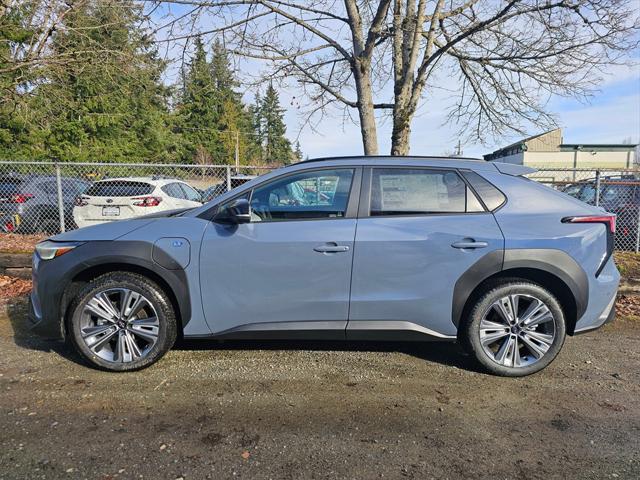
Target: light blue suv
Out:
[365,248]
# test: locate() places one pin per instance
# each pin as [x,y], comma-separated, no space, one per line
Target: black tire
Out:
[471,337]
[157,299]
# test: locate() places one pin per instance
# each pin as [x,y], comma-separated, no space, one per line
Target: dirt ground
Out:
[322,410]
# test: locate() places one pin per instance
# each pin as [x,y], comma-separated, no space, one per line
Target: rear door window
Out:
[119,188]
[406,191]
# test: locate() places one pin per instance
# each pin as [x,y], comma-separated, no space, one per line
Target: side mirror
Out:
[235,213]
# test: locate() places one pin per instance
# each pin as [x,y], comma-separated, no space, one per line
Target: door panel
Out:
[271,273]
[405,268]
[290,268]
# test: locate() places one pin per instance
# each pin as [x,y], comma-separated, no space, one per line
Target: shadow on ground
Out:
[444,353]
[17,311]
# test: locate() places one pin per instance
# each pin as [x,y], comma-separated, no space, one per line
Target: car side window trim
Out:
[352,202]
[365,195]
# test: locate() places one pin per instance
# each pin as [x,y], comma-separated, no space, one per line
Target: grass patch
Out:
[628,263]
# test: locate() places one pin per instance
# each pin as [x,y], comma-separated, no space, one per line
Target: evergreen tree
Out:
[277,149]
[255,111]
[221,71]
[197,112]
[18,139]
[211,115]
[297,153]
[110,104]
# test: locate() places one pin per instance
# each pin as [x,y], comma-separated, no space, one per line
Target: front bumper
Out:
[43,321]
[41,326]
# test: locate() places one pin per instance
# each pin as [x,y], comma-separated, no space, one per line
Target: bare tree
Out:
[501,59]
[27,28]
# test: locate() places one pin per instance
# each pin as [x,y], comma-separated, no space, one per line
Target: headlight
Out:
[48,249]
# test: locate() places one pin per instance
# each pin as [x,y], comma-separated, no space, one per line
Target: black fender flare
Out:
[137,256]
[551,261]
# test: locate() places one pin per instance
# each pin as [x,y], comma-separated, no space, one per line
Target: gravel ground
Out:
[330,410]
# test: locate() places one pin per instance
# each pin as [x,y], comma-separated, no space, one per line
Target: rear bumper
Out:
[608,316]
[602,299]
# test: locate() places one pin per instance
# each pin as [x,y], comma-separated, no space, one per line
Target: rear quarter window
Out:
[119,188]
[174,191]
[490,195]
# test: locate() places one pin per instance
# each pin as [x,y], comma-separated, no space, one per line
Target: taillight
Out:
[81,202]
[147,201]
[20,198]
[608,220]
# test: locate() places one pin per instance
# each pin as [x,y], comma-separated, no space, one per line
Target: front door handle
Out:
[464,244]
[331,247]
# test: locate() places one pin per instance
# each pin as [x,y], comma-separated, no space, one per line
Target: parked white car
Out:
[123,198]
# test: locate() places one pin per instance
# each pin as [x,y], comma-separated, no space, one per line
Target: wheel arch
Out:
[552,269]
[178,300]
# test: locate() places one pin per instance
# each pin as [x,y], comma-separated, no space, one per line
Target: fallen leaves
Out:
[14,243]
[11,287]
[245,455]
[628,306]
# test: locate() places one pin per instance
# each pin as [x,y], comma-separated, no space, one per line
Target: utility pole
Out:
[237,155]
[458,149]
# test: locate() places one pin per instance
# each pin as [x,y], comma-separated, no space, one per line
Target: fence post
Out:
[60,202]
[638,231]
[228,178]
[597,188]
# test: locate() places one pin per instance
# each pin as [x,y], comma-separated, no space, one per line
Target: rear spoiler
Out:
[512,169]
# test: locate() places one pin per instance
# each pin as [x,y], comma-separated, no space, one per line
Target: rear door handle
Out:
[469,244]
[331,247]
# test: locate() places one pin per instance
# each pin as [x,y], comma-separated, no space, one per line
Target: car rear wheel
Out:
[516,328]
[121,322]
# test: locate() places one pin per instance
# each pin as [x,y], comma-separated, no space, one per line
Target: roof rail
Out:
[395,157]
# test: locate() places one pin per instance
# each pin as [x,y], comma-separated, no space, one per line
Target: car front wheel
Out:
[121,322]
[516,328]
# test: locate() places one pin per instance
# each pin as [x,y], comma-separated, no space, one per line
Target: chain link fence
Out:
[49,197]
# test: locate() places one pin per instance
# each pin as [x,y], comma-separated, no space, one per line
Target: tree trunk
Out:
[366,112]
[401,132]
[400,137]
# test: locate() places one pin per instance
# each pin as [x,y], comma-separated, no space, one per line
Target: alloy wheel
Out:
[517,330]
[119,325]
